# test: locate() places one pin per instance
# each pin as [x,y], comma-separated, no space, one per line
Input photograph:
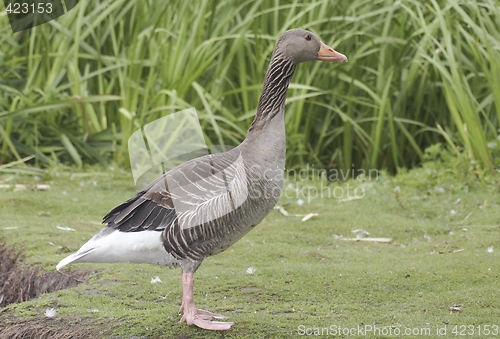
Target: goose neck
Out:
[272,98]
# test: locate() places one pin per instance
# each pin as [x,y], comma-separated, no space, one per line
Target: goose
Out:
[203,206]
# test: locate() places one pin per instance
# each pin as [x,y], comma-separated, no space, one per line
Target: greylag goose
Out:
[205,205]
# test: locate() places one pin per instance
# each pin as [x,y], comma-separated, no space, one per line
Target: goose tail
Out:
[112,246]
[72,258]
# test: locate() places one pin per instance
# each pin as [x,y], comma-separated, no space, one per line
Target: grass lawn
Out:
[287,277]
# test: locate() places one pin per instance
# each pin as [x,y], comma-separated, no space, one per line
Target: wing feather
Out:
[190,204]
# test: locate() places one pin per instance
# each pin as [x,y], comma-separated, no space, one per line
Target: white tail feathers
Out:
[71,258]
[110,245]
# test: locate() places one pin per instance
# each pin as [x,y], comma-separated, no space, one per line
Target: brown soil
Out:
[20,282]
[41,327]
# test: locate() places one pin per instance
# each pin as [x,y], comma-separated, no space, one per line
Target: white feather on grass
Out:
[50,312]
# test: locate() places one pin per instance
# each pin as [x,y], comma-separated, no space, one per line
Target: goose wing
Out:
[191,204]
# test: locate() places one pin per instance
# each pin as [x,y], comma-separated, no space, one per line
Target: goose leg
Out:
[194,316]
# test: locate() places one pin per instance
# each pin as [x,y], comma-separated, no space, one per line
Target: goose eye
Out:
[308,37]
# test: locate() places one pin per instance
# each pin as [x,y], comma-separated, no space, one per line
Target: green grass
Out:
[73,90]
[303,274]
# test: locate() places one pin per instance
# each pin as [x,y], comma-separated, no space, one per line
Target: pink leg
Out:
[194,316]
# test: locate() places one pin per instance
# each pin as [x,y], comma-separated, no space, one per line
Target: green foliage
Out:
[419,73]
[442,170]
[305,274]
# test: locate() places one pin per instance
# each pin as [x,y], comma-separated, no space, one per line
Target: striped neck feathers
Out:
[272,98]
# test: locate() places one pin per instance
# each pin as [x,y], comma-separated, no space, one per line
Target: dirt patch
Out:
[20,282]
[40,327]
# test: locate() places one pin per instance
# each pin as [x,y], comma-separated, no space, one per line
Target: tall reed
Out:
[419,73]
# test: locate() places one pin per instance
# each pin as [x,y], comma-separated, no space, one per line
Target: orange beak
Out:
[326,53]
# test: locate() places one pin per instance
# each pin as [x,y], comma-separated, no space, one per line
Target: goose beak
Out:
[327,53]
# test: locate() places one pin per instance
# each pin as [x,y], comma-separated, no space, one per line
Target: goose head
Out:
[299,45]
